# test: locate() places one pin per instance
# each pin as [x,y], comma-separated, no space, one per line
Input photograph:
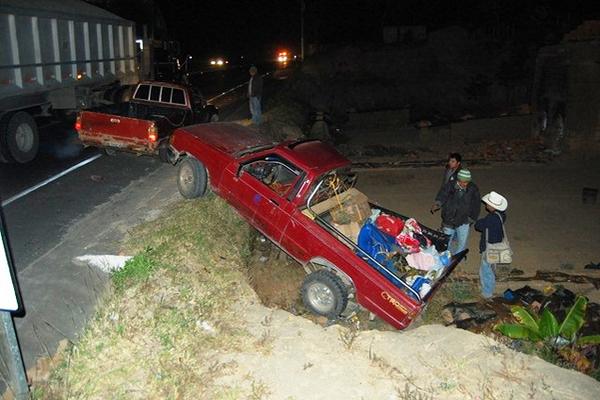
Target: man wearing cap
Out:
[496,205]
[255,88]
[460,203]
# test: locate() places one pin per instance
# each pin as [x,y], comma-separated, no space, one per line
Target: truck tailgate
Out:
[125,133]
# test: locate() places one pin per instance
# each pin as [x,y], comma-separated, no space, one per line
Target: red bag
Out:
[389,224]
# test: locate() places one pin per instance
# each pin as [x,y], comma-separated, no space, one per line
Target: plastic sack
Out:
[389,224]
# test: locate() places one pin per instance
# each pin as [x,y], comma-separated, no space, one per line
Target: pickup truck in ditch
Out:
[292,193]
[144,124]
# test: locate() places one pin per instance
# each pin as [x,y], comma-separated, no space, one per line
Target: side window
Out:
[274,173]
[155,93]
[165,96]
[178,97]
[142,92]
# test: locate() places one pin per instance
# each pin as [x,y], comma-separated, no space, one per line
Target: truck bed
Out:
[130,126]
[348,234]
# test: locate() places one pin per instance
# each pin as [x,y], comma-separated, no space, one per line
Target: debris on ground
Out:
[555,277]
[591,265]
[105,263]
[465,315]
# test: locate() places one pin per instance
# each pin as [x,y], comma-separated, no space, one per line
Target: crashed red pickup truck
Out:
[144,124]
[297,193]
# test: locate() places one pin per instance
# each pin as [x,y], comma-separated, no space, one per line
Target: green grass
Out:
[135,271]
[171,308]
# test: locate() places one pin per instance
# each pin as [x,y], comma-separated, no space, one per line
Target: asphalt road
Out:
[35,220]
[60,149]
[86,211]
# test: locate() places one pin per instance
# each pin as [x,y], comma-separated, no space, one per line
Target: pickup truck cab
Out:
[144,124]
[286,191]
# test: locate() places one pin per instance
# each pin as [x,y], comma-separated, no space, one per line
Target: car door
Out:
[264,186]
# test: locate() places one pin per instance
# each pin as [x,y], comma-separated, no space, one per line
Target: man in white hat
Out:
[496,205]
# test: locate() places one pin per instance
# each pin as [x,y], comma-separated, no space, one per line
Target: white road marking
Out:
[49,180]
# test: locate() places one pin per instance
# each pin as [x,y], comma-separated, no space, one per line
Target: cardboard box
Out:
[350,230]
[355,208]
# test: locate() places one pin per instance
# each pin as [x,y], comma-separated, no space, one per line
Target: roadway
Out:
[71,201]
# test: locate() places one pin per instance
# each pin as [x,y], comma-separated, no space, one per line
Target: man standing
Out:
[452,168]
[491,228]
[460,203]
[255,87]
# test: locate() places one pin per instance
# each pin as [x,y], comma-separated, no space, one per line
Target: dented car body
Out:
[285,190]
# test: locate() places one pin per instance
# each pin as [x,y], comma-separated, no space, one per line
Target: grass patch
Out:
[135,271]
[172,309]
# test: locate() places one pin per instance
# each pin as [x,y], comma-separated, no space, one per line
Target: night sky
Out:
[233,28]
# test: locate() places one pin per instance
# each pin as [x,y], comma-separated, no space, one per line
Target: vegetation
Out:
[558,343]
[547,329]
[172,308]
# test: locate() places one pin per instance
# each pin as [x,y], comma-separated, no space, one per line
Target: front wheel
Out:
[324,293]
[192,179]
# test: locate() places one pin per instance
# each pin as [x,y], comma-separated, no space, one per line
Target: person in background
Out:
[460,203]
[452,168]
[255,88]
[496,205]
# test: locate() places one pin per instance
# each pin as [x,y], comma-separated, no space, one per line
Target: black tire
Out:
[192,179]
[19,138]
[214,118]
[324,293]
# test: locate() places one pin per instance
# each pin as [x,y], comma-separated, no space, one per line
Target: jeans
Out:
[255,110]
[460,234]
[487,278]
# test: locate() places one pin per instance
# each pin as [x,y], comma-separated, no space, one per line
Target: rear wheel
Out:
[192,179]
[324,293]
[19,140]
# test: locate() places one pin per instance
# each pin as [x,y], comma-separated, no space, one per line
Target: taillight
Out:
[78,123]
[152,133]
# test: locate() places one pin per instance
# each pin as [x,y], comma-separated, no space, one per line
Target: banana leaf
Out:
[517,331]
[548,325]
[526,319]
[592,339]
[574,319]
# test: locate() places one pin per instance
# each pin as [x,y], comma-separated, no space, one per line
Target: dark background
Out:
[258,28]
[250,26]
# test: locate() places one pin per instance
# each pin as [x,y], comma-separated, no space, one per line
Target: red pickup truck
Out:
[144,124]
[288,191]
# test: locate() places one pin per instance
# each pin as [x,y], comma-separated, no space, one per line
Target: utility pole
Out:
[302,8]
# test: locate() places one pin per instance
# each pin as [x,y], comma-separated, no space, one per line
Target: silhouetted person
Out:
[255,88]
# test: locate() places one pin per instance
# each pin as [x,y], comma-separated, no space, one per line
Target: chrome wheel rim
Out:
[186,176]
[24,138]
[321,297]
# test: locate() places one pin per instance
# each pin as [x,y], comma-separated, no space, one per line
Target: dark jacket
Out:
[451,178]
[257,86]
[492,224]
[459,208]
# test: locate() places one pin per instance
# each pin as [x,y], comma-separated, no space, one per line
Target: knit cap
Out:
[464,175]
